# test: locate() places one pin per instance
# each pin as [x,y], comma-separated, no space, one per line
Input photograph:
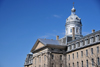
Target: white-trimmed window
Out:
[86,41]
[97,38]
[91,40]
[81,43]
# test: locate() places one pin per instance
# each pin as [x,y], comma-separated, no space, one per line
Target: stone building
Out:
[73,50]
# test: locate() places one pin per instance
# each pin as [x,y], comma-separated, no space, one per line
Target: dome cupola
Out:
[73,21]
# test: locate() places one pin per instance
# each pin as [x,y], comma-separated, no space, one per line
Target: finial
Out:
[73,4]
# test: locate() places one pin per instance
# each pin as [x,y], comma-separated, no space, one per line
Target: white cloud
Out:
[57,16]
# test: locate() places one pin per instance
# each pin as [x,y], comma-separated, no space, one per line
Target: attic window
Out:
[77,18]
[71,18]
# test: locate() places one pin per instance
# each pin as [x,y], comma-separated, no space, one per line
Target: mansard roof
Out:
[49,41]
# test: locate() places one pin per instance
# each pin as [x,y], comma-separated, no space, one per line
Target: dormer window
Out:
[77,18]
[97,38]
[86,41]
[91,40]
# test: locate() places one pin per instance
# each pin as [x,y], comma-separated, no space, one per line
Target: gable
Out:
[39,45]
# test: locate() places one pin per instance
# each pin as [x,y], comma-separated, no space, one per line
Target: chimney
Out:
[57,37]
[73,33]
[93,31]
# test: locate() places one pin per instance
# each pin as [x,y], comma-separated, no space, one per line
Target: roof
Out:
[50,41]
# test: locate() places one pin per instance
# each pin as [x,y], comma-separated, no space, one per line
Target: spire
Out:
[73,9]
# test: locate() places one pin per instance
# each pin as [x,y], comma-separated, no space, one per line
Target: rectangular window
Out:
[92,62]
[86,63]
[69,57]
[98,49]
[35,60]
[91,50]
[60,65]
[39,59]
[98,60]
[69,64]
[44,57]
[77,64]
[81,53]
[73,64]
[44,65]
[86,52]
[73,56]
[52,64]
[39,65]
[77,54]
[81,43]
[60,57]
[91,40]
[82,63]
[52,56]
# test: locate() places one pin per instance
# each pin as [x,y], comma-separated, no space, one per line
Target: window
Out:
[81,43]
[52,64]
[70,30]
[78,44]
[77,64]
[52,56]
[91,50]
[92,62]
[39,65]
[77,54]
[74,46]
[73,56]
[44,65]
[98,49]
[97,38]
[60,57]
[86,41]
[39,59]
[98,61]
[35,60]
[81,53]
[86,52]
[60,65]
[69,57]
[91,40]
[86,63]
[69,64]
[77,30]
[73,64]
[44,57]
[82,63]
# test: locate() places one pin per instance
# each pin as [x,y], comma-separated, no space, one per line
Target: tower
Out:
[73,21]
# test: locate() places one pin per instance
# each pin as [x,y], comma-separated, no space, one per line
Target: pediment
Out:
[37,45]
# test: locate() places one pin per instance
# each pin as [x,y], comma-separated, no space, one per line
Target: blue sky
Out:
[22,22]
